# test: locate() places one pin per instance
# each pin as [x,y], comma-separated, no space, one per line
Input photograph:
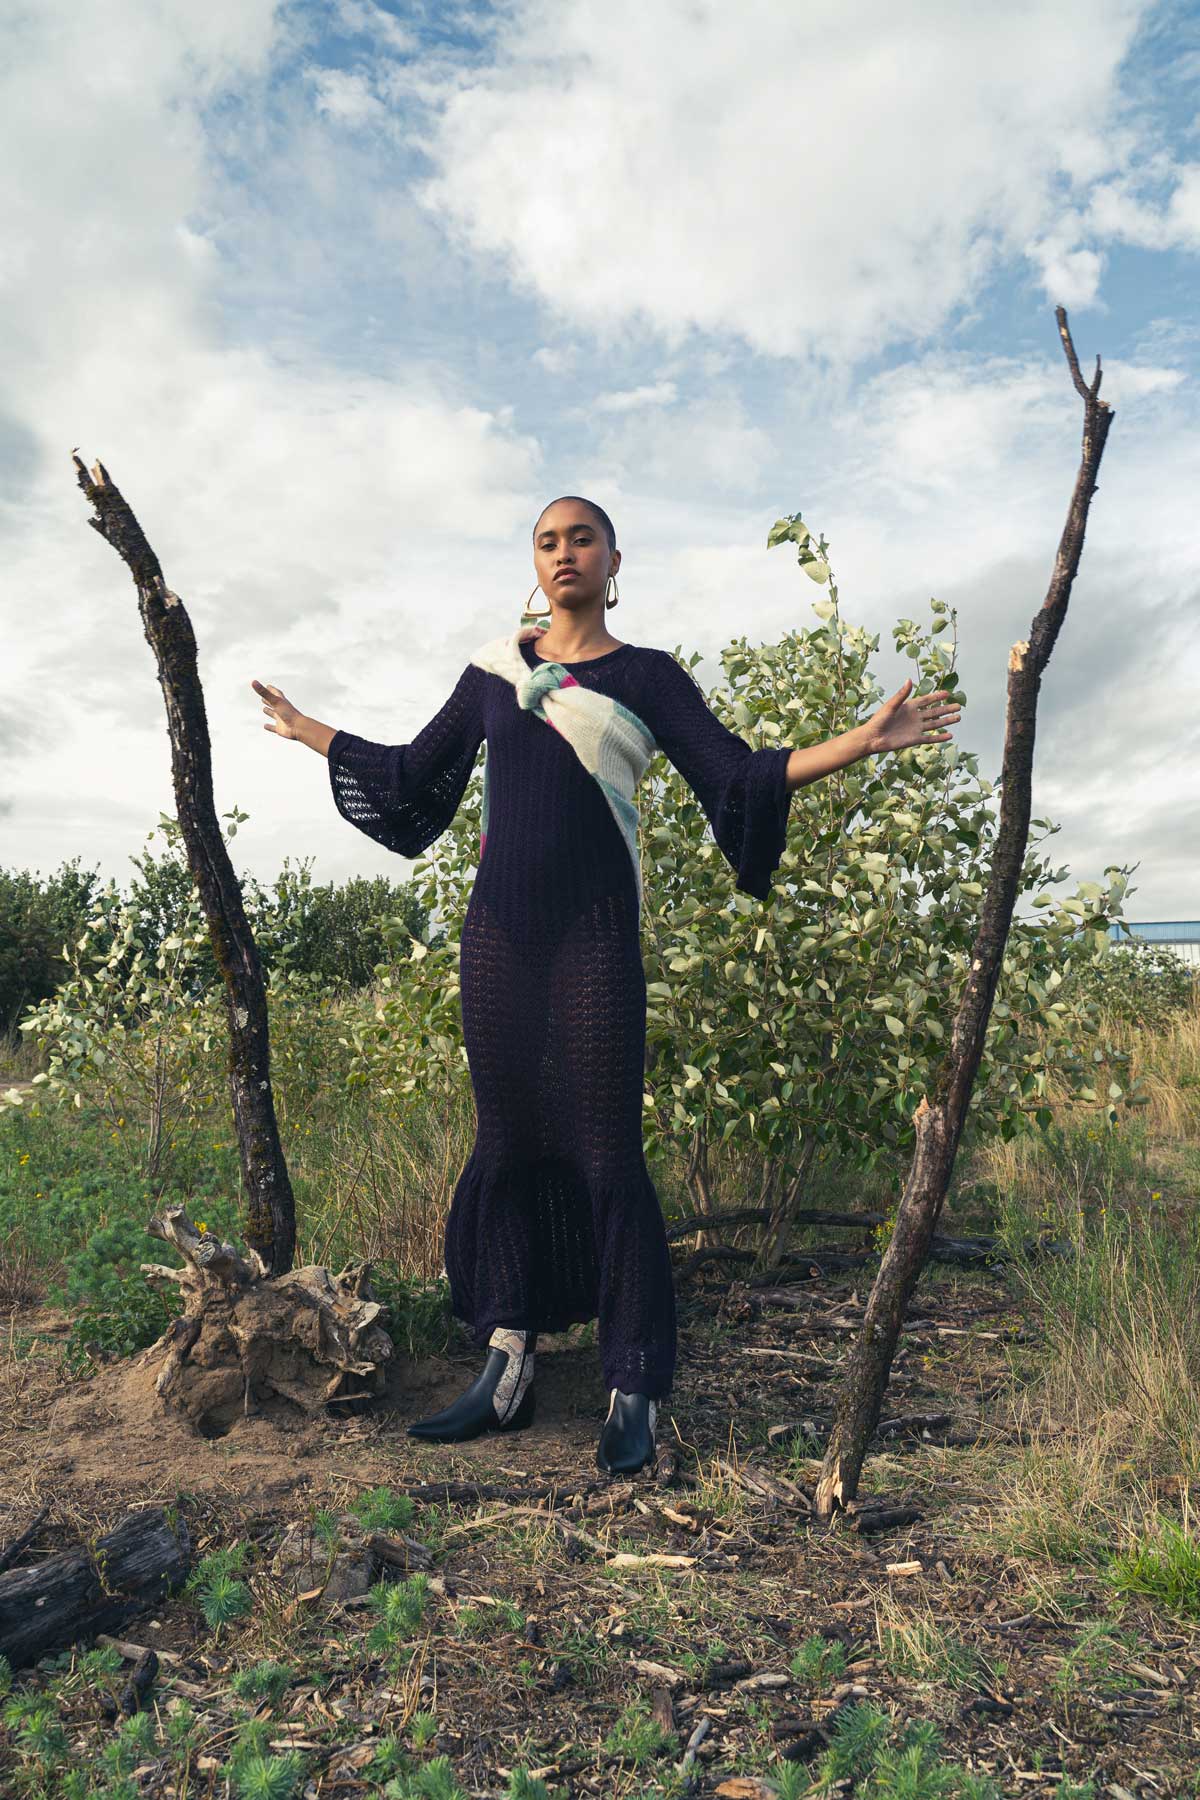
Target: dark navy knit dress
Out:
[555,1218]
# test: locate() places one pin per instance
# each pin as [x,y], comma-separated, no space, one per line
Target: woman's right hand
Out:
[282,717]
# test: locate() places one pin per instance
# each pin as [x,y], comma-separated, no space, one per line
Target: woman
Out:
[555,1219]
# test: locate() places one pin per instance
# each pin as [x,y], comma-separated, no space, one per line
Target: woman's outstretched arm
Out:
[900,723]
[402,795]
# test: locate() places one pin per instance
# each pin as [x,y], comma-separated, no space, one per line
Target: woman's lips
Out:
[567,575]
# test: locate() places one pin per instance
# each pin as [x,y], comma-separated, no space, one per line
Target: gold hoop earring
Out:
[528,614]
[609,604]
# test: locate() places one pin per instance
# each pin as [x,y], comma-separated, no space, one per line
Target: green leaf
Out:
[893,1024]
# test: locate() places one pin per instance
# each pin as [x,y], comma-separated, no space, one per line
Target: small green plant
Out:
[399,1607]
[866,1750]
[263,1681]
[522,1786]
[253,1773]
[422,1728]
[379,1509]
[269,1777]
[40,1737]
[326,1527]
[133,1741]
[221,1597]
[637,1737]
[434,1782]
[818,1663]
[1164,1565]
[390,1759]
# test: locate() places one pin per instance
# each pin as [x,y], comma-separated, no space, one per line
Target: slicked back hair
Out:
[609,528]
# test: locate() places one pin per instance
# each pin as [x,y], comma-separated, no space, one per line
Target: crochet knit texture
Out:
[555,1218]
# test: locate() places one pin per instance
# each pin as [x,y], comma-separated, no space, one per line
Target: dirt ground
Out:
[563,1604]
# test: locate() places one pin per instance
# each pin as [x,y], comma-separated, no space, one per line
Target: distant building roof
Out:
[1160,931]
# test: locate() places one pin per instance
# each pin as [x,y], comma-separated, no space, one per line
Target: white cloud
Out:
[555,359]
[329,529]
[656,393]
[1119,210]
[347,97]
[825,179]
[368,20]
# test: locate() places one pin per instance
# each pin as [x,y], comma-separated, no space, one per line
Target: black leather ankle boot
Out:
[499,1399]
[627,1440]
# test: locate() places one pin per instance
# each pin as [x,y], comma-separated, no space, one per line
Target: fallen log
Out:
[14,1551]
[77,1593]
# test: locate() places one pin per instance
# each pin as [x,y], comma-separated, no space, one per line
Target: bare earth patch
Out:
[590,1630]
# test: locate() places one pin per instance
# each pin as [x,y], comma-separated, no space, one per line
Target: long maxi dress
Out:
[555,1218]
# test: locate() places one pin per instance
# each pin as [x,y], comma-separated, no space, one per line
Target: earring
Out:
[528,614]
[609,604]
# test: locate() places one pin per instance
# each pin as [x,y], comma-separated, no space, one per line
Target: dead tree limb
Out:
[941,1114]
[271,1214]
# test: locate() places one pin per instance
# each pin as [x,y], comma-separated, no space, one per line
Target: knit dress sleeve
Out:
[405,795]
[743,791]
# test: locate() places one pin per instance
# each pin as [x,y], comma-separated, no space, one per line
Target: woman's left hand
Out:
[902,722]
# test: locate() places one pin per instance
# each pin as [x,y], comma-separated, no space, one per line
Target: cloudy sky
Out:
[342,293]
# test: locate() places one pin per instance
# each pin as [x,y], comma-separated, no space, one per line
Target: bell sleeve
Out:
[743,791]
[405,795]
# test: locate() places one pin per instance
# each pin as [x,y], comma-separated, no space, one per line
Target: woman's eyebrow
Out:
[570,531]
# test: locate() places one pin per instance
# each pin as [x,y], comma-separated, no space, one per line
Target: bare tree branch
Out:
[940,1117]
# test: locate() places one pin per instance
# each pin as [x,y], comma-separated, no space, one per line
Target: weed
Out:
[390,1759]
[637,1737]
[857,1738]
[268,1777]
[916,1646]
[434,1782]
[422,1728]
[263,1681]
[1163,1564]
[221,1597]
[326,1527]
[381,1510]
[818,1663]
[399,1607]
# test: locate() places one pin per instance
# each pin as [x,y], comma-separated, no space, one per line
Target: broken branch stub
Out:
[940,1117]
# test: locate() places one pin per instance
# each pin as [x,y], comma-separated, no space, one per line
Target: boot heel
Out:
[524,1413]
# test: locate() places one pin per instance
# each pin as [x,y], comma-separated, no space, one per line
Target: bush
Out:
[1140,983]
[37,916]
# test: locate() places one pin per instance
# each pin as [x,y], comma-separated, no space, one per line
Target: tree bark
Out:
[79,1592]
[270,1226]
[941,1114]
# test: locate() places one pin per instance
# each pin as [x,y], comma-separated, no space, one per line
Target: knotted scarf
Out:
[611,742]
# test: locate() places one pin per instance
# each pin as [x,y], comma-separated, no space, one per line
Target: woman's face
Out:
[571,556]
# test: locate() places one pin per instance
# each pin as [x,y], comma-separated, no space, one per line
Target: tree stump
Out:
[247,1337]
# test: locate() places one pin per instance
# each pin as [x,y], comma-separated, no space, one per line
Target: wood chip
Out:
[658,1559]
[906,1568]
[746,1787]
[766,1678]
[672,1678]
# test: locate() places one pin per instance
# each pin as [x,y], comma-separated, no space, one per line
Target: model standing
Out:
[555,1219]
